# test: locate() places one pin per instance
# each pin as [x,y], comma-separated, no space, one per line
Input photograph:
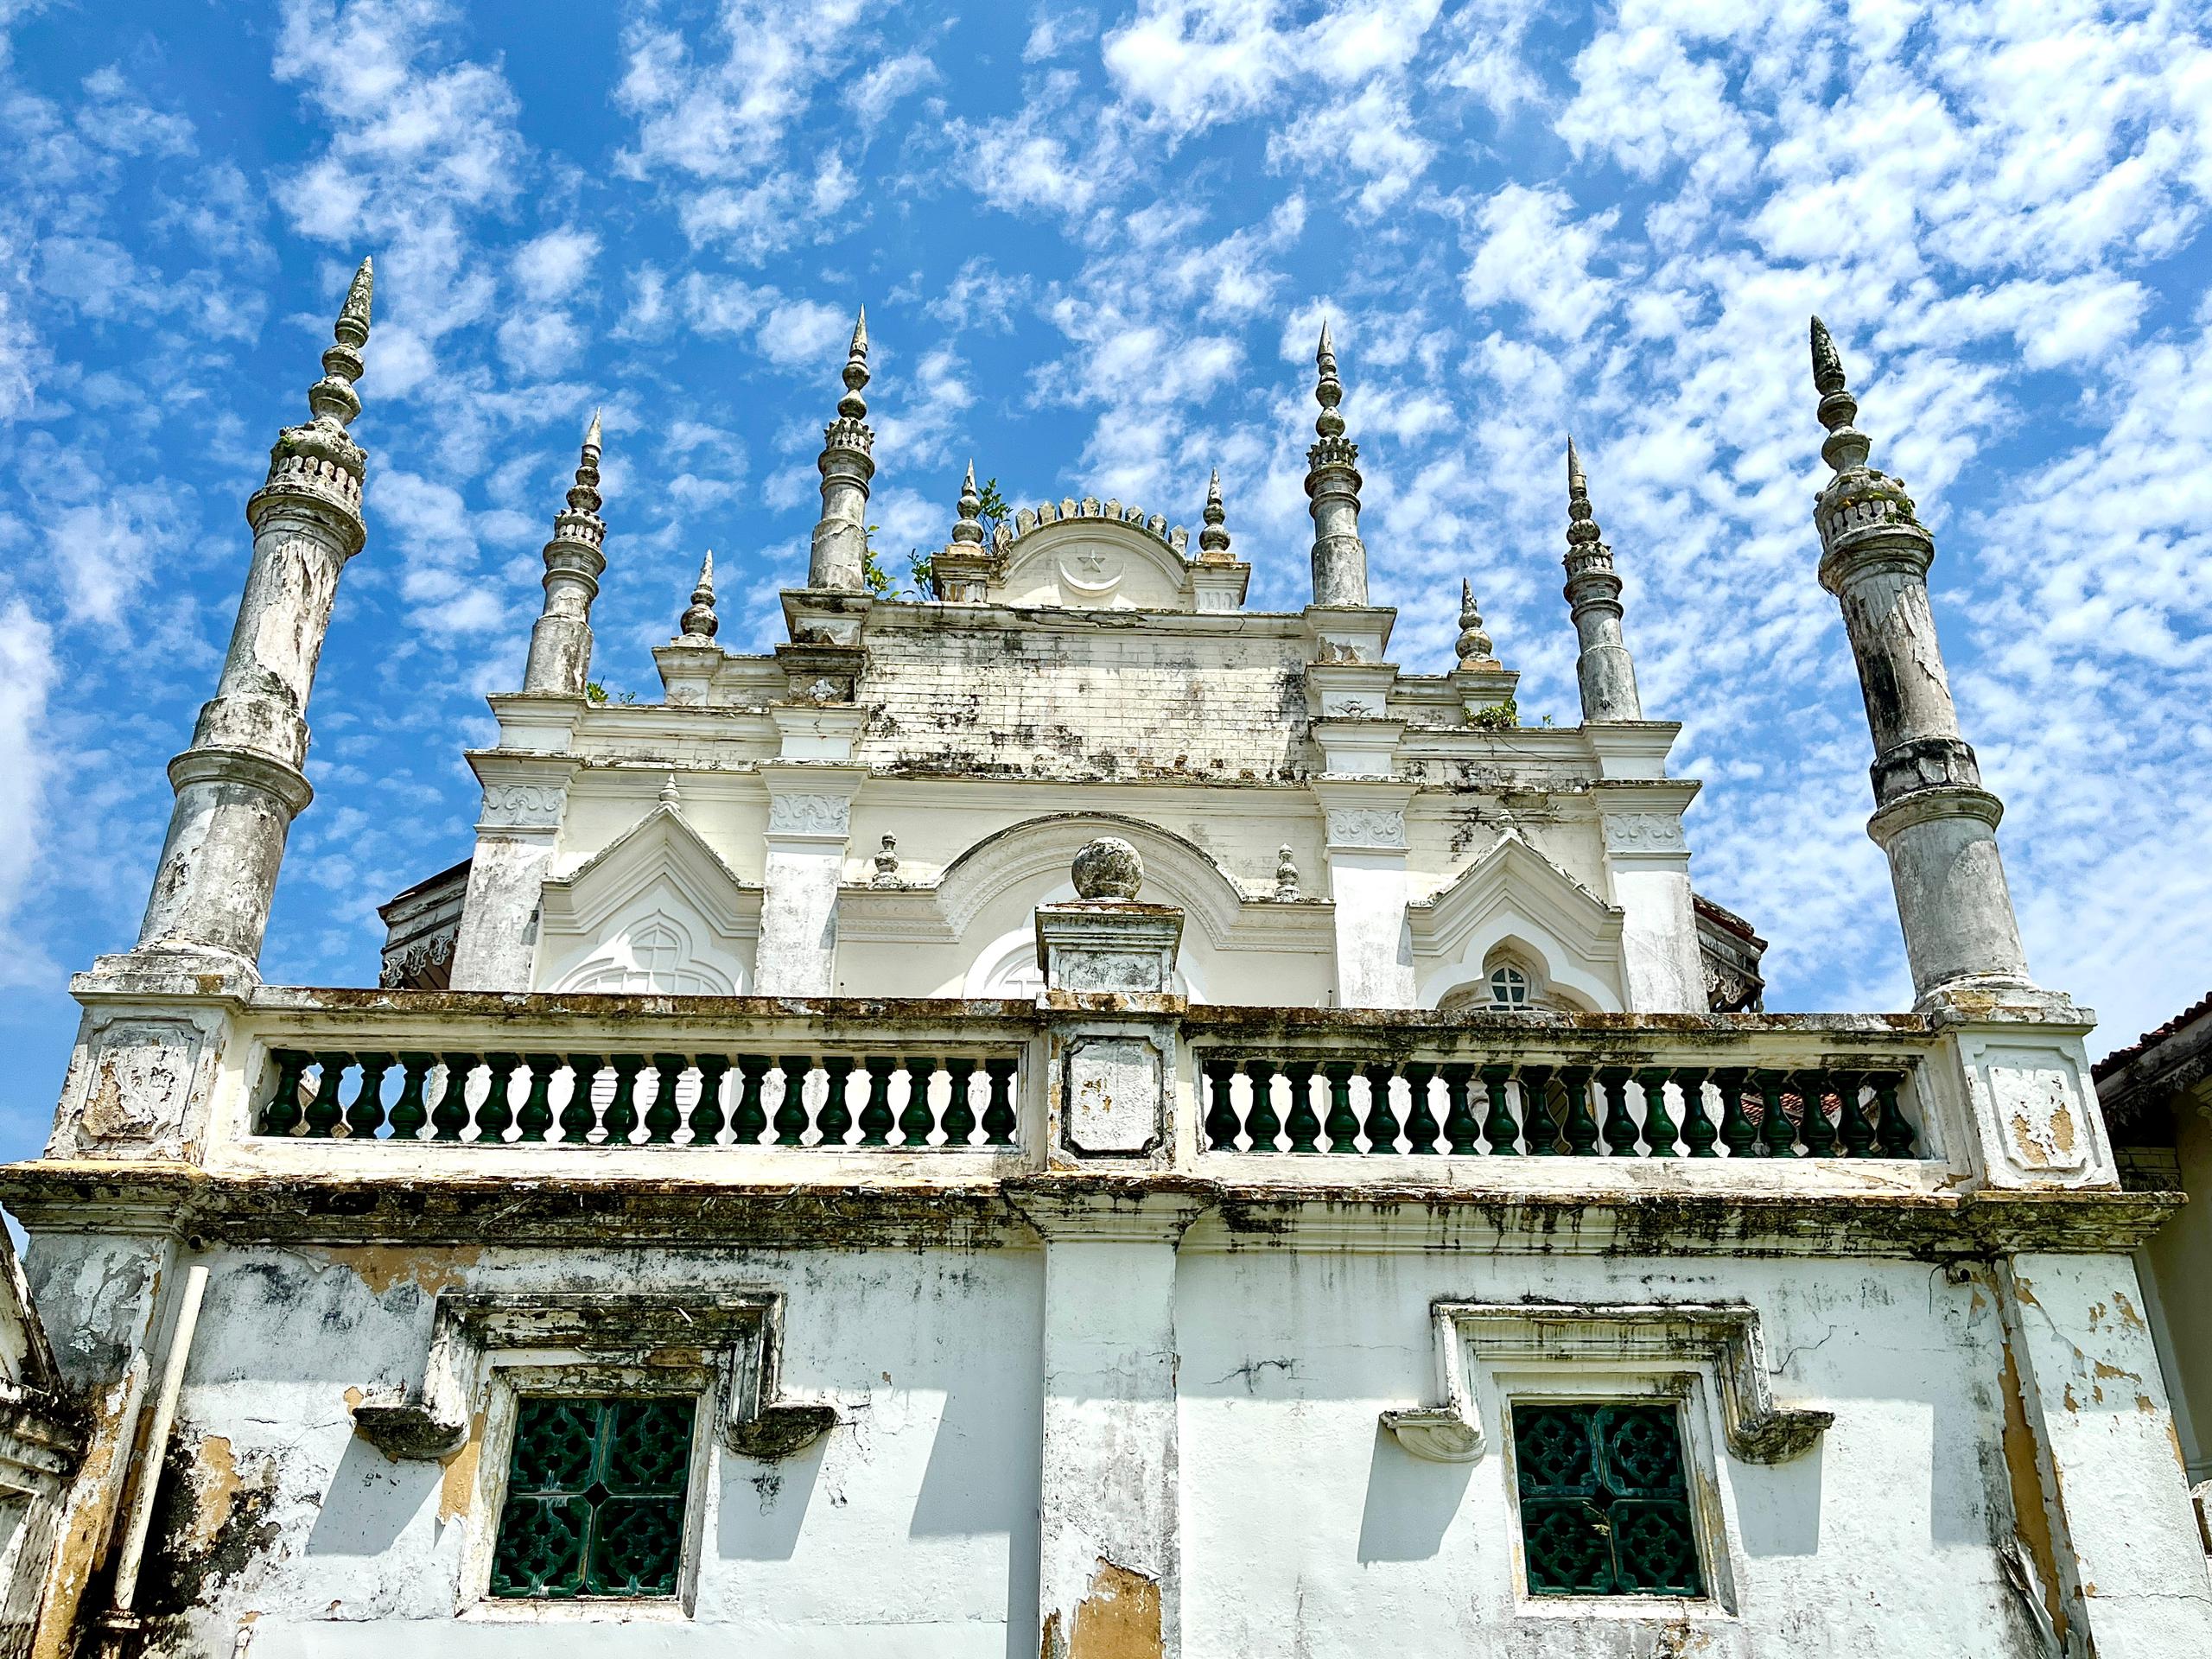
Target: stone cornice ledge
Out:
[1663,1336]
[972,1212]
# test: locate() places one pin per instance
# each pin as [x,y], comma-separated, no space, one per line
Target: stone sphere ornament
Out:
[1108,868]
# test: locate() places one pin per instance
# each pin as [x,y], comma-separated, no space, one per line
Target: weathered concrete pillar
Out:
[1333,486]
[2101,1500]
[239,784]
[1367,855]
[1603,668]
[560,643]
[1932,817]
[838,557]
[809,818]
[518,833]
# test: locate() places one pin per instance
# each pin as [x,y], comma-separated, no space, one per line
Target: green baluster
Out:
[1260,1123]
[707,1115]
[1221,1125]
[1581,1131]
[1817,1133]
[1421,1111]
[876,1122]
[1460,1126]
[916,1121]
[959,1110]
[999,1122]
[536,1114]
[1381,1117]
[1538,1127]
[494,1116]
[1738,1132]
[750,1121]
[450,1116]
[323,1113]
[621,1115]
[281,1115]
[366,1116]
[1893,1131]
[1698,1131]
[1342,1127]
[1620,1123]
[1777,1136]
[791,1113]
[1498,1127]
[664,1117]
[410,1116]
[578,1118]
[1659,1131]
[1302,1126]
[1856,1128]
[835,1118]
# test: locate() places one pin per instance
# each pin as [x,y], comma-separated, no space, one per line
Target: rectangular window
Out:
[1604,1508]
[596,1498]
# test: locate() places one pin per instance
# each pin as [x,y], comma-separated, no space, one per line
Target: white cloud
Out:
[28,674]
[550,268]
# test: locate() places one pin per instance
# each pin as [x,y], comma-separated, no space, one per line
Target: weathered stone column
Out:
[1333,486]
[838,557]
[239,784]
[1932,817]
[518,833]
[1604,669]
[810,819]
[560,643]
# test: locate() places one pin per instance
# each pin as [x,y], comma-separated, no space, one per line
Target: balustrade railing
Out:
[861,1103]
[1504,1109]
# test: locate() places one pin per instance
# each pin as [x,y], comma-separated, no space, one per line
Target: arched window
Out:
[1508,987]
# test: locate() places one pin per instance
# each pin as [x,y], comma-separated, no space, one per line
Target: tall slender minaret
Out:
[239,784]
[1332,484]
[1213,539]
[1606,671]
[848,462]
[560,644]
[1932,817]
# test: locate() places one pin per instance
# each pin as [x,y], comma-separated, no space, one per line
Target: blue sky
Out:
[1095,243]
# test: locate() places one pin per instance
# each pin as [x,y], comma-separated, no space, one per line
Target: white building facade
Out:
[1066,1116]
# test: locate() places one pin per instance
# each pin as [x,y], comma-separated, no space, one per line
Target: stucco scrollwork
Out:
[1366,826]
[523,806]
[808,815]
[1644,832]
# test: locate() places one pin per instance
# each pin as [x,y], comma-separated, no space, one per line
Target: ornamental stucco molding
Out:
[1663,1336]
[1366,826]
[523,806]
[808,815]
[1644,832]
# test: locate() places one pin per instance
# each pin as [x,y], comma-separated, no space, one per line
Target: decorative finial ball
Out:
[1108,868]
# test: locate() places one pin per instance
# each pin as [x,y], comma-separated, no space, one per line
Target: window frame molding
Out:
[573,1374]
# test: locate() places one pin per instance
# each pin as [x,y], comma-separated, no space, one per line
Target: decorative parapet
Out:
[1655,1335]
[740,1331]
[1155,526]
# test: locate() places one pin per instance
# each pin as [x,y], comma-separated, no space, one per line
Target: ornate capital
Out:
[1644,832]
[1366,826]
[808,815]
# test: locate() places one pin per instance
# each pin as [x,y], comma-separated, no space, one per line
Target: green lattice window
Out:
[1604,1508]
[595,1496]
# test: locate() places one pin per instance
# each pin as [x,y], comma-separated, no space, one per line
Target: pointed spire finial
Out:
[1213,539]
[1582,531]
[319,455]
[852,406]
[700,622]
[668,795]
[591,432]
[968,528]
[1329,391]
[1603,668]
[358,295]
[1474,646]
[1827,364]
[1846,446]
[1576,484]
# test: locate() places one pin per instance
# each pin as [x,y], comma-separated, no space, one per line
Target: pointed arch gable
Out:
[1177,871]
[1513,896]
[655,904]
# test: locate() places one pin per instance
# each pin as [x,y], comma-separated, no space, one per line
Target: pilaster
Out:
[809,821]
[1367,853]
[518,833]
[1647,870]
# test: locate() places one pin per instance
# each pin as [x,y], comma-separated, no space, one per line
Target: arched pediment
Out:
[655,910]
[1177,871]
[1514,895]
[1094,564]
